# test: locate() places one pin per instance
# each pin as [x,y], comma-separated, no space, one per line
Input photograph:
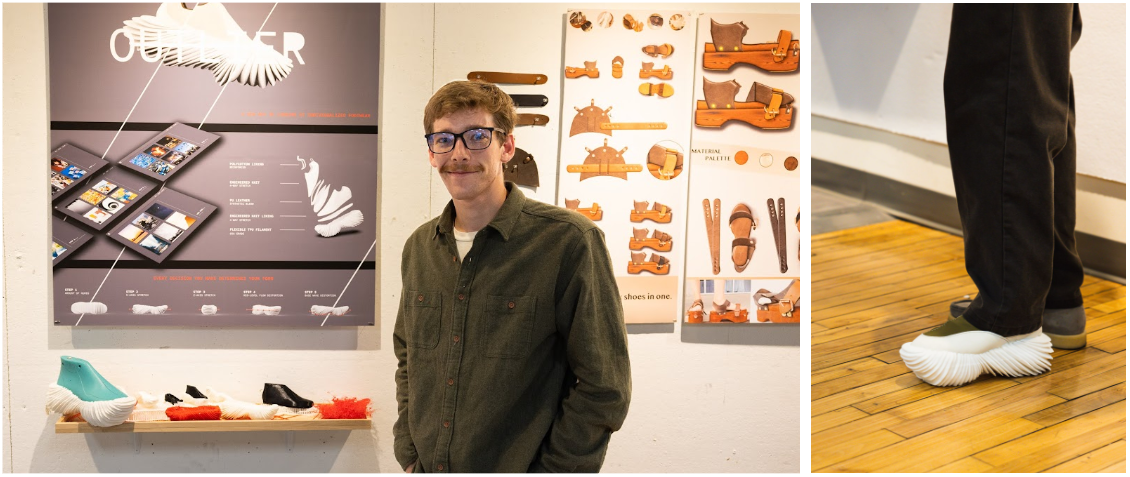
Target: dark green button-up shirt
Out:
[514,359]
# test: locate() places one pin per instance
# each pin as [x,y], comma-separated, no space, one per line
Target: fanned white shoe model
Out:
[207,37]
[956,358]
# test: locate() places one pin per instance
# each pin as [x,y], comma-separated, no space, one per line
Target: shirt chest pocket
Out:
[422,319]
[508,323]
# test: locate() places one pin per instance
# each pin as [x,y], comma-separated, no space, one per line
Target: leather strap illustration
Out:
[636,126]
[532,120]
[506,78]
[713,231]
[529,100]
[777,219]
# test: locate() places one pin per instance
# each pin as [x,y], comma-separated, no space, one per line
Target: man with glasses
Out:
[510,339]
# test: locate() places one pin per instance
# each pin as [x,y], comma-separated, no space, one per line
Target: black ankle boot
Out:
[283,396]
[192,391]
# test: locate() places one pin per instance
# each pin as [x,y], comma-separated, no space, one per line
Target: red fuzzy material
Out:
[201,413]
[346,408]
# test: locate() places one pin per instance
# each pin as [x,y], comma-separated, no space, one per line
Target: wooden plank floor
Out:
[879,286]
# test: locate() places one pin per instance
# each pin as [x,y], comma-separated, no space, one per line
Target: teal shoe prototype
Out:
[81,390]
[81,378]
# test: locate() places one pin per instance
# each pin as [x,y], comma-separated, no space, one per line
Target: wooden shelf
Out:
[65,427]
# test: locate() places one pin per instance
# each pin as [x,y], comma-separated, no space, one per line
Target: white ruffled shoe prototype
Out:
[957,353]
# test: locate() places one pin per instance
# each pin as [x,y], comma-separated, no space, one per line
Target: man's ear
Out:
[508,148]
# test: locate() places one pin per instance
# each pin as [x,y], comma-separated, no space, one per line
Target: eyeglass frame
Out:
[459,137]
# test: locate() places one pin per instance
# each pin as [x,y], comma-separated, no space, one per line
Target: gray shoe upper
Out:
[1064,321]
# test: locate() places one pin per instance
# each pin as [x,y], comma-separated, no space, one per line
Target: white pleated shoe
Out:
[956,358]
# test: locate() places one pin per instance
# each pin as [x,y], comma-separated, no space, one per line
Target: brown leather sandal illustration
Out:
[589,70]
[664,163]
[617,67]
[663,90]
[694,313]
[593,213]
[647,70]
[604,161]
[766,107]
[663,50]
[723,312]
[726,49]
[742,223]
[780,307]
[657,264]
[658,213]
[659,241]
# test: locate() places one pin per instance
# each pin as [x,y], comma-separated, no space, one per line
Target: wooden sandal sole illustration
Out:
[640,241]
[765,107]
[662,90]
[657,265]
[662,214]
[647,71]
[594,213]
[723,313]
[780,57]
[589,70]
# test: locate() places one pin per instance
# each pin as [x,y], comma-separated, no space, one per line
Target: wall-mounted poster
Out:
[625,138]
[253,136]
[743,231]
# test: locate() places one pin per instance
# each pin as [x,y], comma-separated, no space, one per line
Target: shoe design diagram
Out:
[726,49]
[331,206]
[765,107]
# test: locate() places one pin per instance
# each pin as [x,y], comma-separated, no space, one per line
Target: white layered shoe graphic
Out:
[961,357]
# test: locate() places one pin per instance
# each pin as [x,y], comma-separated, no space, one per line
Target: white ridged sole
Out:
[1025,357]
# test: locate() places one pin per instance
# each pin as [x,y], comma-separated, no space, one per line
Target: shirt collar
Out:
[503,222]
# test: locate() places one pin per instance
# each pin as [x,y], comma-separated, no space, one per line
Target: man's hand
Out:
[409,469]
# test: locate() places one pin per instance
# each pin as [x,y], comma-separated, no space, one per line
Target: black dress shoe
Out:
[283,396]
[169,398]
[192,391]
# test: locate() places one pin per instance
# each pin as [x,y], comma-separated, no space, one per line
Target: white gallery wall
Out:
[877,100]
[721,402]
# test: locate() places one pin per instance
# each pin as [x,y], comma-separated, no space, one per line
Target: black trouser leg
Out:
[1009,123]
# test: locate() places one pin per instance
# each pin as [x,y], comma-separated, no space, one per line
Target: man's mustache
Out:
[452,167]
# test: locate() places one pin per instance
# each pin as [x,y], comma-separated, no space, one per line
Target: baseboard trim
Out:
[1101,257]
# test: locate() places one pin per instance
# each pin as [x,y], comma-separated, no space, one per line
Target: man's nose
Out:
[459,151]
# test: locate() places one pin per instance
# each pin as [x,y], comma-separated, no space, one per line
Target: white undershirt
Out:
[463,241]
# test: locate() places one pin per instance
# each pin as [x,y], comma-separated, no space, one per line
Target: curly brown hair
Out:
[462,95]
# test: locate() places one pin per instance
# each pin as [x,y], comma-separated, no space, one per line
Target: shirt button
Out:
[461,297]
[510,305]
[456,338]
[450,381]
[420,298]
[439,467]
[446,423]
